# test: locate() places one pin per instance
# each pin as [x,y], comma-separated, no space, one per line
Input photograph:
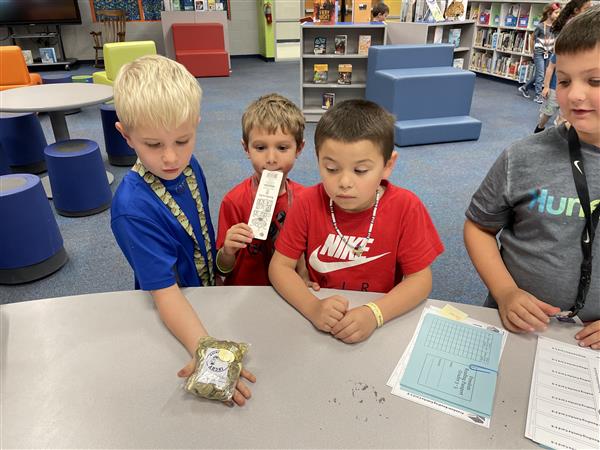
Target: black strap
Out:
[591,221]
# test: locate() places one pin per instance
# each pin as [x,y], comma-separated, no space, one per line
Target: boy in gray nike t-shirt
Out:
[530,201]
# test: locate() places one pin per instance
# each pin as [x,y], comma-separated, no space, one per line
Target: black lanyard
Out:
[591,221]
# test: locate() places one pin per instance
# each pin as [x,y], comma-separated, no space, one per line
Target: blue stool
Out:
[4,167]
[119,153]
[32,246]
[23,140]
[78,178]
[59,78]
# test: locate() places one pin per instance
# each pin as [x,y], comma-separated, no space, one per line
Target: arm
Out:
[359,323]
[323,314]
[547,78]
[237,237]
[183,322]
[519,310]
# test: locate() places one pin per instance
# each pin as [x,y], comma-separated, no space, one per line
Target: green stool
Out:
[82,79]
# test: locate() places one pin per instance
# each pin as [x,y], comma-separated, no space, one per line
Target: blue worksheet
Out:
[455,363]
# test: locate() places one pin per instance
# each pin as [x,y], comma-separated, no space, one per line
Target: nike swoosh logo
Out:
[587,237]
[576,163]
[326,267]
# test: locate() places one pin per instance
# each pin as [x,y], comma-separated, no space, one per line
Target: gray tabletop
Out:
[99,371]
[54,97]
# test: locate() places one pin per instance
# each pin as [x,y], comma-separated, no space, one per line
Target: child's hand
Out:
[328,312]
[242,392]
[590,335]
[545,91]
[237,237]
[356,325]
[522,312]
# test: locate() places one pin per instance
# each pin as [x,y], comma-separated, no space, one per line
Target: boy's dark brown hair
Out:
[580,34]
[273,112]
[380,8]
[356,120]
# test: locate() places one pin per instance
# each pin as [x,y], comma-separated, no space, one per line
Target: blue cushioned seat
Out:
[23,140]
[77,177]
[430,99]
[32,246]
[118,151]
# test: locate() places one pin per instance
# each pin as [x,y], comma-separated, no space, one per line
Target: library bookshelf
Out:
[503,40]
[435,33]
[312,94]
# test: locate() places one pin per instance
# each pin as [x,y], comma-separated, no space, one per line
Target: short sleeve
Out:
[419,244]
[229,215]
[149,250]
[292,240]
[490,206]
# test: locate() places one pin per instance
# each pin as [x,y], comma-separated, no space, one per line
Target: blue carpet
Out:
[444,176]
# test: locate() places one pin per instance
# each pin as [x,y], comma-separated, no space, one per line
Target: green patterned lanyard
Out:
[204,266]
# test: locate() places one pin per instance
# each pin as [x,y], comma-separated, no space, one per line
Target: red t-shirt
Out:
[252,263]
[403,240]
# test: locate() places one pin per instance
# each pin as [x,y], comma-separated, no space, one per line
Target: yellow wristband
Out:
[219,268]
[376,312]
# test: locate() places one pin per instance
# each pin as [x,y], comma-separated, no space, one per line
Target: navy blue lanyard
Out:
[591,221]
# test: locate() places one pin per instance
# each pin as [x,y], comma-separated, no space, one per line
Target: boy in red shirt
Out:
[357,230]
[273,137]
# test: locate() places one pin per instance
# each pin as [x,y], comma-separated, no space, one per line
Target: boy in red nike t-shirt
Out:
[273,137]
[357,230]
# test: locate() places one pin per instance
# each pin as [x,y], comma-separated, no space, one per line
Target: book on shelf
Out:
[511,16]
[458,63]
[407,10]
[28,56]
[320,73]
[523,18]
[324,11]
[320,45]
[494,43]
[47,55]
[454,36]
[474,14]
[435,12]
[456,10]
[484,17]
[344,74]
[438,34]
[364,42]
[340,42]
[328,100]
[200,5]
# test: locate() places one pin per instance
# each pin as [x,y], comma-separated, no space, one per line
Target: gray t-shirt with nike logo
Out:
[529,194]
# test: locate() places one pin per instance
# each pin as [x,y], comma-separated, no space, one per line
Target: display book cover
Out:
[454,36]
[328,100]
[320,73]
[320,47]
[28,56]
[340,42]
[463,377]
[364,42]
[47,55]
[344,74]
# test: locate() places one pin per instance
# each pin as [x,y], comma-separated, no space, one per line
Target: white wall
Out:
[243,28]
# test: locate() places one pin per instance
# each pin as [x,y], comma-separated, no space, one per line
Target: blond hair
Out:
[273,112]
[156,91]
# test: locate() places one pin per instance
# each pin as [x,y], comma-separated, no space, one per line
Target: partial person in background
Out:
[542,50]
[550,106]
[380,12]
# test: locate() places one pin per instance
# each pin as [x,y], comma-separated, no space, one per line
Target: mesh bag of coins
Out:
[218,367]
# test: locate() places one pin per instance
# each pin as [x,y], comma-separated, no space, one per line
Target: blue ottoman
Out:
[77,177]
[119,153]
[23,140]
[4,167]
[32,246]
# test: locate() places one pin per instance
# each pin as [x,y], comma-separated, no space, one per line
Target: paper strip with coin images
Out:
[264,203]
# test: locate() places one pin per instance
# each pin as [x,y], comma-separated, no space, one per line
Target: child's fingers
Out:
[590,335]
[243,389]
[547,308]
[353,338]
[339,303]
[341,325]
[248,375]
[187,370]
[238,398]
[346,332]
[520,324]
[535,316]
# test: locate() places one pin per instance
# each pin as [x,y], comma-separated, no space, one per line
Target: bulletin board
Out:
[136,10]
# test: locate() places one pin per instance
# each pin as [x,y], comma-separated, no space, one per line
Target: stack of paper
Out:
[451,364]
[564,404]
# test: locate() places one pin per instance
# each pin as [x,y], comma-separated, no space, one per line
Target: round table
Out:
[55,99]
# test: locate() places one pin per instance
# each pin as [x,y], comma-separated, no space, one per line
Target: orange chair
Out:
[13,70]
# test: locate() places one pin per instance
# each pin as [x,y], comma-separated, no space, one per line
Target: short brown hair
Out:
[356,120]
[580,34]
[272,112]
[380,8]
